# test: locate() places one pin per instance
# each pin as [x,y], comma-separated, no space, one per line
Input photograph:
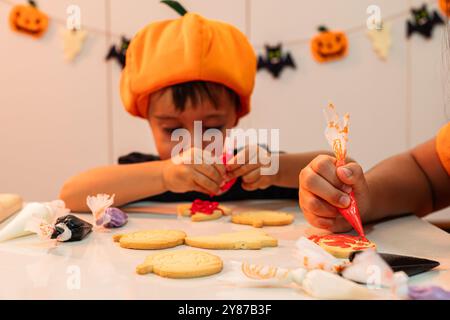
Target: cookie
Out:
[181,264]
[199,216]
[9,204]
[258,219]
[150,239]
[246,240]
[342,245]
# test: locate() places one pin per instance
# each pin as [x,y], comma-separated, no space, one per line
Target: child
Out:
[178,72]
[417,181]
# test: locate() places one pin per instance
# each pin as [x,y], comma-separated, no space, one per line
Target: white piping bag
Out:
[43,211]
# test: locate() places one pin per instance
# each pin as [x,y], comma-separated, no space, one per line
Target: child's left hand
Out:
[248,164]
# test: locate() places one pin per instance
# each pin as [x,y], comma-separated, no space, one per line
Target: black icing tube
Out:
[70,228]
[410,265]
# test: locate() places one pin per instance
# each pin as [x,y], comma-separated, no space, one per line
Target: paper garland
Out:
[329,45]
[381,40]
[423,22]
[28,19]
[119,52]
[73,41]
[275,60]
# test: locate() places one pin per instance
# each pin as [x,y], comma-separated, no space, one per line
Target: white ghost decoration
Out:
[73,41]
[381,40]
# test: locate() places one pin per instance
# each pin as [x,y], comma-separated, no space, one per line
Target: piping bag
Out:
[227,155]
[336,133]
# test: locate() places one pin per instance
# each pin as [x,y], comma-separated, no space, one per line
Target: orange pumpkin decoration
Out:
[445,7]
[29,20]
[329,45]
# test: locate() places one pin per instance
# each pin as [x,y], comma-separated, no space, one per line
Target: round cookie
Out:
[258,219]
[181,264]
[150,239]
[342,245]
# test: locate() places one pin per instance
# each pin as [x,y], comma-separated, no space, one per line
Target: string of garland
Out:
[327,45]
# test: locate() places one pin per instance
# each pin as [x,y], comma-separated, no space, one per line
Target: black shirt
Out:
[235,193]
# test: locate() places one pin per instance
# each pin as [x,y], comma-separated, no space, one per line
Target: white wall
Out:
[57,119]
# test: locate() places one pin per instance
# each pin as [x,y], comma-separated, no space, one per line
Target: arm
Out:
[290,167]
[129,183]
[286,171]
[134,182]
[414,181]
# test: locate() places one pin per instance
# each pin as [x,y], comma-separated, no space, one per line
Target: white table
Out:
[106,271]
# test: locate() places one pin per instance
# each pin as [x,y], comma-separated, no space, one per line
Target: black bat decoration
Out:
[275,61]
[423,22]
[119,52]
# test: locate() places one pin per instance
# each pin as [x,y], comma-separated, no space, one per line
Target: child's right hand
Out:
[180,176]
[323,187]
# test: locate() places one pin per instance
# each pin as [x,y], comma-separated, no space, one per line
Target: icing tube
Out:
[368,267]
[227,155]
[336,133]
[318,284]
[17,227]
[67,228]
[325,285]
[312,256]
[252,275]
[104,215]
[428,293]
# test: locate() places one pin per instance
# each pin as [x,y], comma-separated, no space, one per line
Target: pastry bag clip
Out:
[336,133]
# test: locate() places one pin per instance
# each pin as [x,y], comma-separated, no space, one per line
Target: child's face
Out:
[164,118]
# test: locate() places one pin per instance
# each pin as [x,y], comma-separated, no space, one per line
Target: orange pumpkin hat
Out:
[190,48]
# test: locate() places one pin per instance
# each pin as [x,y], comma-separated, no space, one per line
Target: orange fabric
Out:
[443,146]
[190,48]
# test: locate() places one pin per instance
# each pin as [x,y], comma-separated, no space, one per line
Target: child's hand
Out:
[323,187]
[255,158]
[183,175]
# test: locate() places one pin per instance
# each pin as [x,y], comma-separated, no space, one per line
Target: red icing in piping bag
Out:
[351,213]
[336,133]
[227,186]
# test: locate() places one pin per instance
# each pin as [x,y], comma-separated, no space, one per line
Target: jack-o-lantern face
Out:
[445,7]
[28,19]
[329,45]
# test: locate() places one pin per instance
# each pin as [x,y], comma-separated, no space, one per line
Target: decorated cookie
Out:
[258,219]
[9,204]
[201,210]
[181,264]
[150,239]
[342,245]
[246,240]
